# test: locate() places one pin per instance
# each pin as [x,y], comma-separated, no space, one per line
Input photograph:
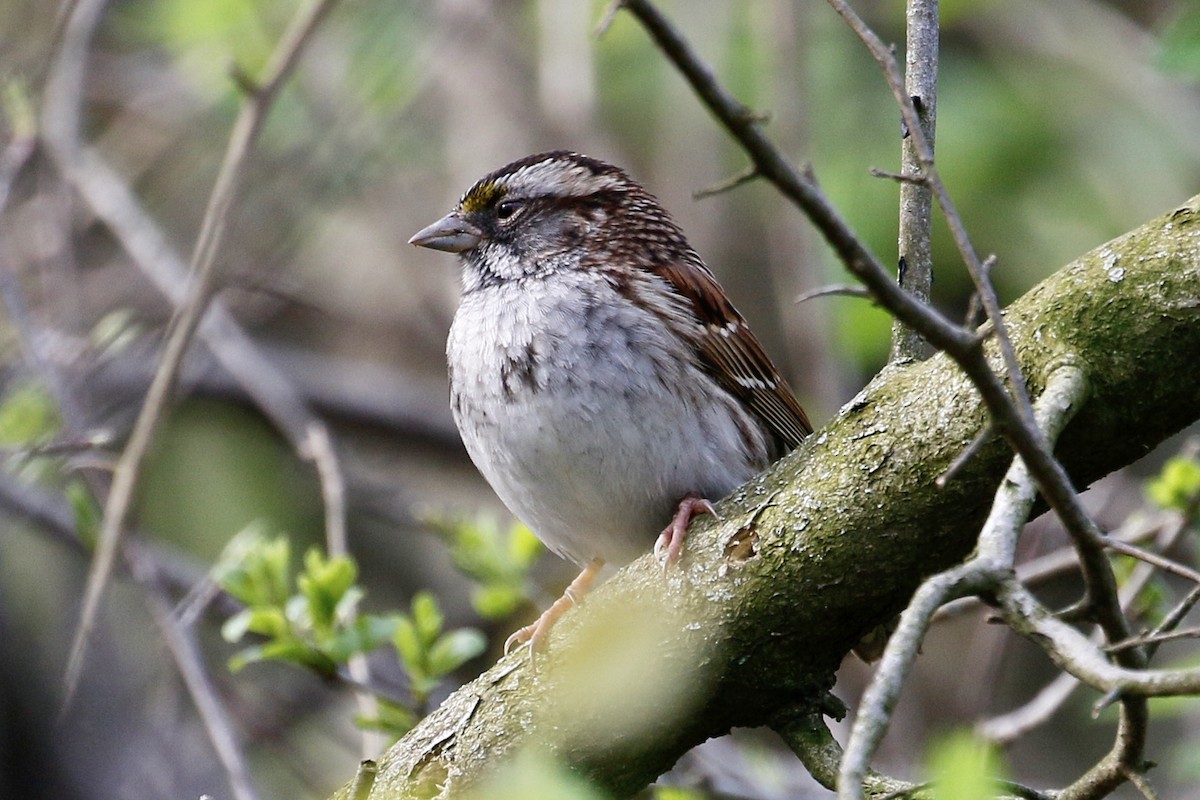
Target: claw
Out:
[537,634]
[670,541]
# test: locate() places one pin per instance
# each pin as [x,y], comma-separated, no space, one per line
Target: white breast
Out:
[586,417]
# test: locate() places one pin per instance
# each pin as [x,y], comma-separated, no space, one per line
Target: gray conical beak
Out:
[451,233]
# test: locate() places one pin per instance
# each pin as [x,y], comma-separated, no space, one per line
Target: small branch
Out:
[1152,558]
[727,185]
[991,565]
[898,177]
[190,664]
[916,196]
[1007,728]
[320,450]
[983,437]
[1155,639]
[1071,651]
[203,262]
[834,290]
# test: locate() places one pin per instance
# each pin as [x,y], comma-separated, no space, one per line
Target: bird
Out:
[600,378]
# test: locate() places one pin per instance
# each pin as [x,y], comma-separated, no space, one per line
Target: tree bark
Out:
[751,626]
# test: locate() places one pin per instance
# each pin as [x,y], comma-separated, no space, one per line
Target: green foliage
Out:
[497,559]
[961,767]
[676,793]
[534,775]
[29,425]
[28,416]
[318,625]
[1177,486]
[1180,46]
[427,653]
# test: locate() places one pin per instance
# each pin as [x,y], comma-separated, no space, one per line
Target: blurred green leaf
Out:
[427,617]
[427,654]
[86,511]
[407,642]
[532,775]
[962,767]
[1179,48]
[454,649]
[1177,485]
[255,568]
[393,719]
[496,601]
[28,416]
[324,583]
[497,559]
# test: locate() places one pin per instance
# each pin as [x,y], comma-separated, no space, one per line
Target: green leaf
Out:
[87,512]
[1177,485]
[536,775]
[298,652]
[496,601]
[1180,46]
[962,767]
[393,719]
[523,545]
[347,607]
[241,658]
[324,582]
[427,617]
[115,331]
[454,649]
[28,416]
[267,621]
[236,626]
[408,643]
[255,568]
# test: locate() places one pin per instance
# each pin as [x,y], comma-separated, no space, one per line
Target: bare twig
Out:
[1152,558]
[76,37]
[991,566]
[834,290]
[1071,651]
[727,185]
[319,448]
[1155,639]
[190,664]
[916,196]
[1012,725]
[1014,418]
[899,177]
[984,436]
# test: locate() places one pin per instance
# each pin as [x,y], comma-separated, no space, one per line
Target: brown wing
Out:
[733,354]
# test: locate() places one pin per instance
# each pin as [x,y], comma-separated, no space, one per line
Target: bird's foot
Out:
[670,541]
[537,634]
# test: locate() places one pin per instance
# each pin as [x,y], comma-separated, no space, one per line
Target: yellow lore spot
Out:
[480,196]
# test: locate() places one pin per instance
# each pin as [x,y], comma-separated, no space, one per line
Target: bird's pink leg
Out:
[670,541]
[537,634]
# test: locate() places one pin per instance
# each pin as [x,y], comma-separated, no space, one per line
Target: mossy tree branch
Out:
[830,542]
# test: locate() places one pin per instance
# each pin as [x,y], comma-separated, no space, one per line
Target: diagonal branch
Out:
[741,635]
[62,95]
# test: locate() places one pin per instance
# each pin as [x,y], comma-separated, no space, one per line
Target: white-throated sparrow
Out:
[600,377]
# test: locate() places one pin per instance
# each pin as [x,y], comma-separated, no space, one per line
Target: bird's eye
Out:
[508,209]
